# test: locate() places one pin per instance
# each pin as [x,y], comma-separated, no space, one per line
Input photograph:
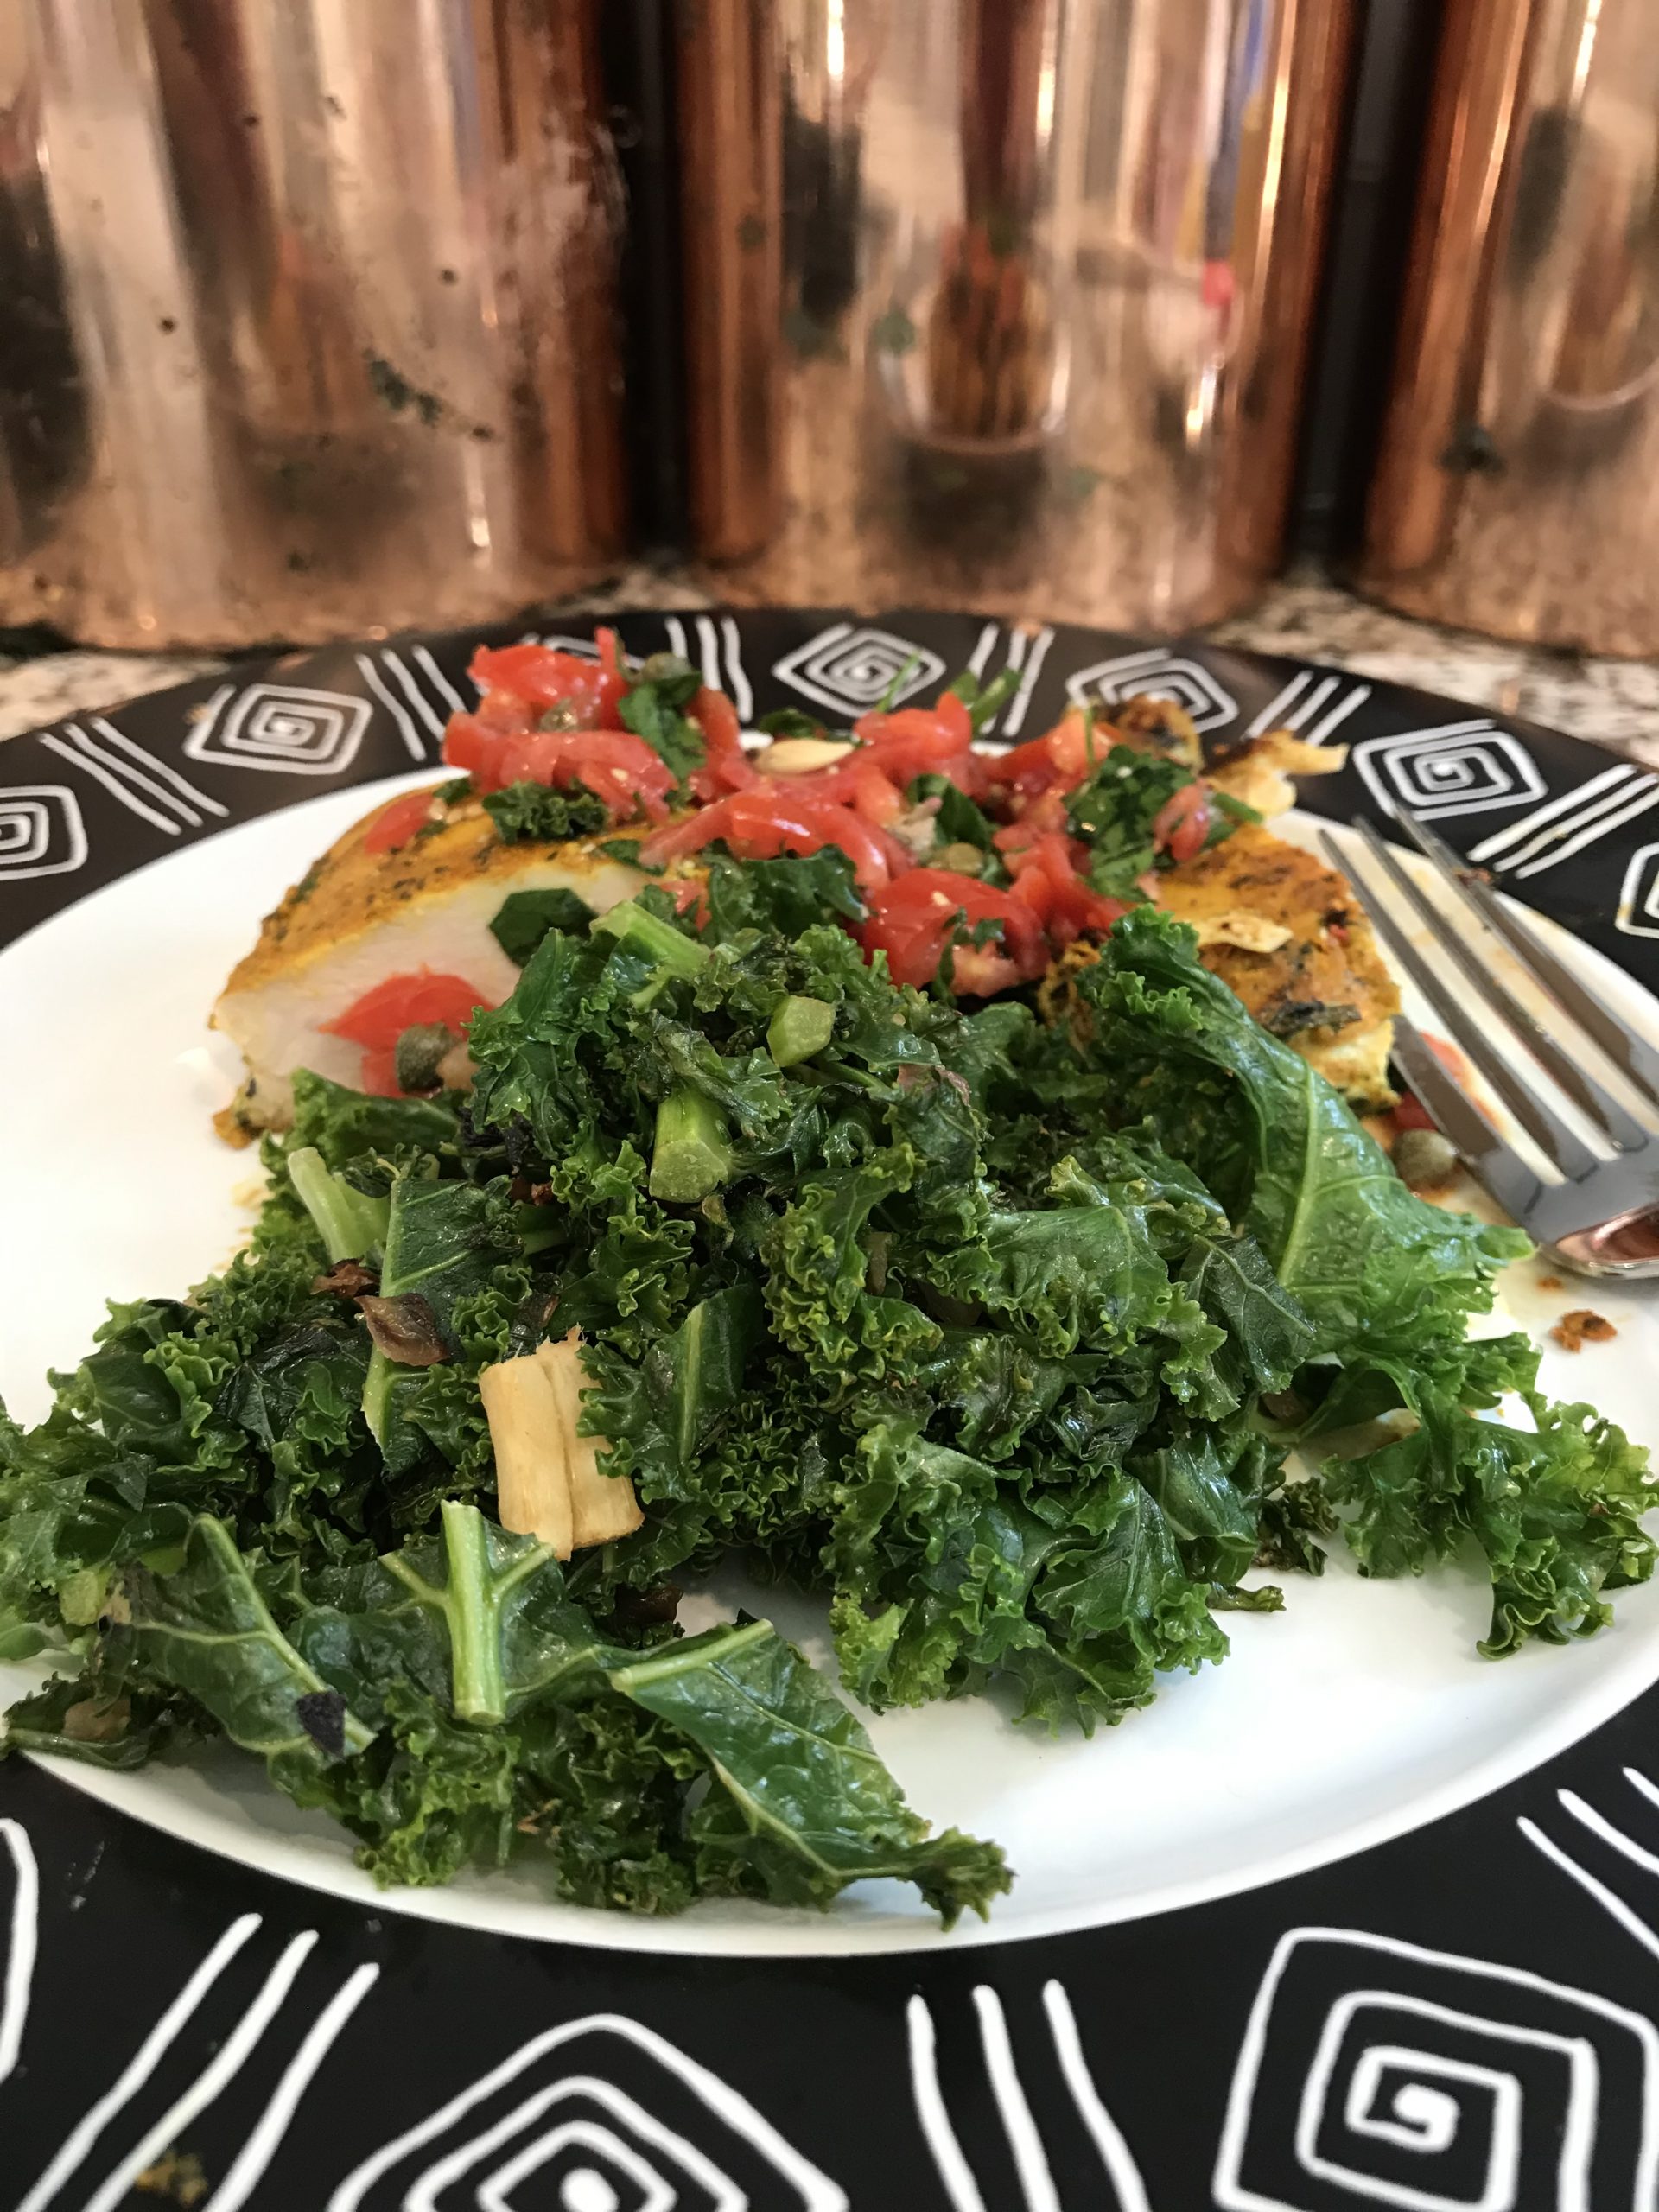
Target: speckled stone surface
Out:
[1614,703]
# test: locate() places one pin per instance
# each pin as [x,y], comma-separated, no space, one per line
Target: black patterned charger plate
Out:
[1459,2017]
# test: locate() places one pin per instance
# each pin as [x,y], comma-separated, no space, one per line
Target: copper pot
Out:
[1517,486]
[1001,303]
[311,315]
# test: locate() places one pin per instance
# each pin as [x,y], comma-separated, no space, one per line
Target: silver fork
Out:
[1602,1217]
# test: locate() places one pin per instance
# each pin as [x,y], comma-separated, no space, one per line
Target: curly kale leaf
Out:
[536,814]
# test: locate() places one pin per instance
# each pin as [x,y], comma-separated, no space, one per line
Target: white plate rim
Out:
[705,1931]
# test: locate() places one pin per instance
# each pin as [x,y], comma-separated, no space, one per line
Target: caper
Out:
[1423,1159]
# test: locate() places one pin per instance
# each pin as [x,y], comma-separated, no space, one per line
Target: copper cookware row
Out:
[322,316]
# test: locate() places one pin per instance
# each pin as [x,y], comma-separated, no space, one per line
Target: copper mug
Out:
[1001,303]
[1517,486]
[311,315]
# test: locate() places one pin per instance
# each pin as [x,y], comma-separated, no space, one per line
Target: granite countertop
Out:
[1614,703]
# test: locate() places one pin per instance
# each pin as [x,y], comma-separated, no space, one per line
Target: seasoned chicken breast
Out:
[359,917]
[1287,934]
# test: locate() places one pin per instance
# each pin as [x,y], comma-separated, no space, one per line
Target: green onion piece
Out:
[692,1154]
[798,1028]
[895,690]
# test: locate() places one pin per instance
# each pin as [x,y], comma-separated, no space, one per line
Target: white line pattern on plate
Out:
[1516,833]
[441,683]
[1106,2135]
[169,775]
[1271,716]
[814,2191]
[1568,825]
[1609,1900]
[742,692]
[201,726]
[428,714]
[135,778]
[932,2113]
[1604,828]
[425,2193]
[1020,2127]
[225,2065]
[1311,705]
[77,758]
[1031,2161]
[1362,2032]
[655,2193]
[979,659]
[247,2169]
[1013,722]
[1328,724]
[415,744]
[21,1943]
[72,2153]
[1464,767]
[709,649]
[33,818]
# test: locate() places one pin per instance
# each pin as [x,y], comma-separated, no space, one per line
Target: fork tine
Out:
[1627,1050]
[1493,1164]
[1569,1153]
[1625,1132]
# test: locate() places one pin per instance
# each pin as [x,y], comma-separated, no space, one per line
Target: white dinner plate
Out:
[1360,1712]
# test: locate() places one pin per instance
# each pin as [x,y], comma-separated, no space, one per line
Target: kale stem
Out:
[471,1611]
[692,1154]
[376,1393]
[350,1222]
[654,939]
[798,1028]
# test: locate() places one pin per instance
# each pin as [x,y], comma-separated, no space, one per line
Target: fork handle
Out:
[1628,1246]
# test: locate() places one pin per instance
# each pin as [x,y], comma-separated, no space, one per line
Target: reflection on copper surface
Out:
[332,314]
[733,232]
[1517,489]
[1045,270]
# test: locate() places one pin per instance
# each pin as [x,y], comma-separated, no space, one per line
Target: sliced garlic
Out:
[533,1483]
[602,1506]
[1238,926]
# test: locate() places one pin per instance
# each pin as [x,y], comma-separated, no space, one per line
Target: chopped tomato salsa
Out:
[553,717]
[914,918]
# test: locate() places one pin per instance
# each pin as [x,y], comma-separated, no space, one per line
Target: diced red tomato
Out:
[611,658]
[1047,875]
[1055,761]
[396,824]
[872,794]
[379,1074]
[1044,816]
[503,743]
[379,1018]
[1412,1114]
[912,919]
[769,819]
[1181,825]
[540,677]
[615,765]
[917,740]
[726,766]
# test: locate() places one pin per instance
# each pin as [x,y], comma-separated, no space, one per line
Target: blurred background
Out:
[329,317]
